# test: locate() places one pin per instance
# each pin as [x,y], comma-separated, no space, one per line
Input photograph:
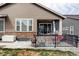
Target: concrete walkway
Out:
[16,44]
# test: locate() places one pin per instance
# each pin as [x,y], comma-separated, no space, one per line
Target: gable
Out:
[27,10]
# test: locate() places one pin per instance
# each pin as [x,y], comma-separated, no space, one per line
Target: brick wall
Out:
[19,34]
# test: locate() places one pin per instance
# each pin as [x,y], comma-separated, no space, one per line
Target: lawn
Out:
[34,52]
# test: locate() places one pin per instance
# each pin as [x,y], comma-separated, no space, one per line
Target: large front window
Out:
[24,25]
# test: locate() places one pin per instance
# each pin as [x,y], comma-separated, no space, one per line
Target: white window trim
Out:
[3,19]
[21,25]
[68,29]
[71,30]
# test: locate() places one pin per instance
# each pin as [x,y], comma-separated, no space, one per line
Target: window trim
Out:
[20,19]
[68,30]
[3,19]
[71,30]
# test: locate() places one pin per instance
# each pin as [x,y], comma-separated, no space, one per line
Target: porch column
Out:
[53,27]
[60,27]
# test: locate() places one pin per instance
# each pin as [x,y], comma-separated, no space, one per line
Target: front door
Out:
[45,28]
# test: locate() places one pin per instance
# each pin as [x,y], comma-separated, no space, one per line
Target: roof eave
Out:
[56,13]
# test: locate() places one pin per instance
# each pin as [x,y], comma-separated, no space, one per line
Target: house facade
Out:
[26,19]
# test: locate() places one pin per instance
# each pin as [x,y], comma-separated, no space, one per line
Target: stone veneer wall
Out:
[19,34]
[45,41]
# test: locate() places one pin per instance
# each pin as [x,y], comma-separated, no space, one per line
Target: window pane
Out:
[18,28]
[24,25]
[41,29]
[30,28]
[1,25]
[30,25]
[49,28]
[18,23]
[30,22]
[57,25]
[45,28]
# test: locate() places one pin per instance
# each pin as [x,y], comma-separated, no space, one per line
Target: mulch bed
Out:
[34,52]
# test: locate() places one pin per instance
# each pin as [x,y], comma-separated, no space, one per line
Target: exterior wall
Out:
[24,11]
[19,34]
[72,22]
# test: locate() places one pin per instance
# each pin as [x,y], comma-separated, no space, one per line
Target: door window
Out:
[45,28]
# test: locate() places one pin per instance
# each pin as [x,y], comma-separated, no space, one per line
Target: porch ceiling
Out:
[3,15]
[44,21]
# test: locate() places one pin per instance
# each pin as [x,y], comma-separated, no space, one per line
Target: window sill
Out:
[2,31]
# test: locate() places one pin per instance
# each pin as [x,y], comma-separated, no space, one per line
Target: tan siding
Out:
[25,11]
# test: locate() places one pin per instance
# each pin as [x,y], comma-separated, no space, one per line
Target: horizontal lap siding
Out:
[24,11]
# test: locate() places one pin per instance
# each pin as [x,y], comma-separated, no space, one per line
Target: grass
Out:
[34,52]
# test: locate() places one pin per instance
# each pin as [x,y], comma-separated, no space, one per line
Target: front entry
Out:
[45,28]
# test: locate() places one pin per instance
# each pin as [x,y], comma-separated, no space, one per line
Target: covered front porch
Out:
[49,27]
[49,34]
[46,30]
